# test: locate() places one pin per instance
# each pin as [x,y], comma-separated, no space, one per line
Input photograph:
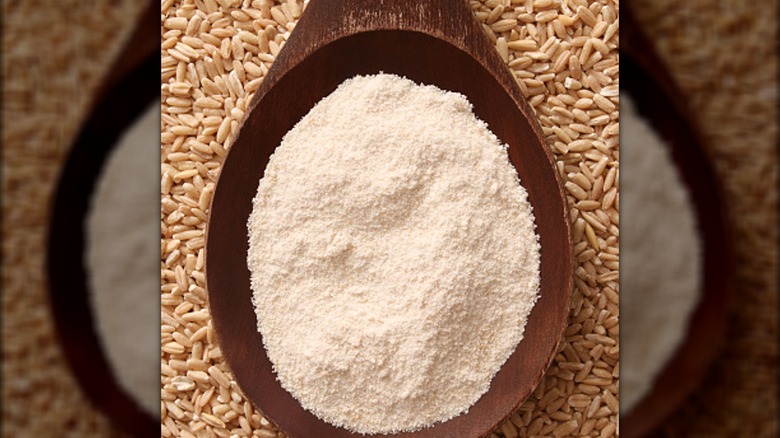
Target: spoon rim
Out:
[215,295]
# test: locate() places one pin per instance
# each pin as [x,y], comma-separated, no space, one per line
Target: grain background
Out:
[55,53]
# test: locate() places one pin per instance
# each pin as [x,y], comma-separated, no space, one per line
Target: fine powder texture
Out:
[122,258]
[660,259]
[393,256]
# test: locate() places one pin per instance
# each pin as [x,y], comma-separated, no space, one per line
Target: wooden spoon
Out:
[434,42]
[645,78]
[126,91]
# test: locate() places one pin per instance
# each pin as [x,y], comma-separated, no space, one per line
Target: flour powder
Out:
[660,260]
[122,257]
[393,256]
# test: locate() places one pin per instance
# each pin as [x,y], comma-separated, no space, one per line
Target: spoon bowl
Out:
[437,43]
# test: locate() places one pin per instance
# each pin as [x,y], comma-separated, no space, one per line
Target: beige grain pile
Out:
[564,55]
[48,84]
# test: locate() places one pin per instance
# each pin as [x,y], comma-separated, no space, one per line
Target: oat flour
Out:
[659,256]
[393,256]
[122,258]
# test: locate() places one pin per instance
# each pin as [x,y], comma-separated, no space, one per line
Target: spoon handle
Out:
[448,19]
[635,43]
[325,21]
[141,44]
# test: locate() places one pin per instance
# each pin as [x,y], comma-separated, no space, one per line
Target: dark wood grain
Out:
[126,91]
[437,42]
[645,78]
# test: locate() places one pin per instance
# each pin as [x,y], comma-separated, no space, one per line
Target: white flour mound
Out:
[123,260]
[393,256]
[660,261]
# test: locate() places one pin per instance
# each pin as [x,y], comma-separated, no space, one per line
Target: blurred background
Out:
[721,53]
[55,57]
[723,56]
